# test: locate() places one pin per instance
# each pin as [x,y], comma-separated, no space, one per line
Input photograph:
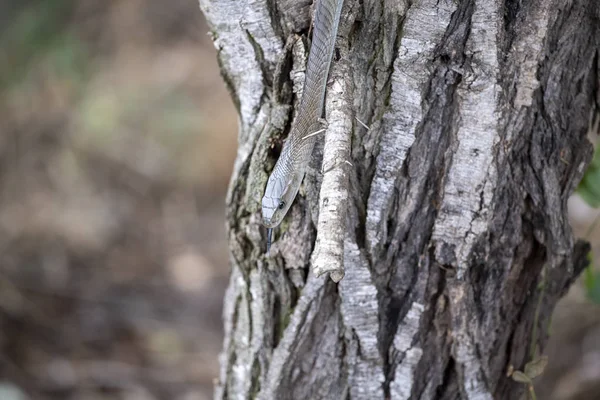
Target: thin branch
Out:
[333,197]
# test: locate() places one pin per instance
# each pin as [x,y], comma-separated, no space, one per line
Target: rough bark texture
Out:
[456,245]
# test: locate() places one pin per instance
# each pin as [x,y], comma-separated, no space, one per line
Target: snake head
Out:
[279,196]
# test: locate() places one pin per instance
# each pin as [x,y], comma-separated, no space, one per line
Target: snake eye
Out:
[281,205]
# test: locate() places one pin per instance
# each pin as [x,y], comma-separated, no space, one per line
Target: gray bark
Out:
[455,242]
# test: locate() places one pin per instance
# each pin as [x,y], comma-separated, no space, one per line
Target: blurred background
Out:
[117,139]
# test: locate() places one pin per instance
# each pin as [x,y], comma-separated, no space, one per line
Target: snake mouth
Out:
[269,223]
[268,214]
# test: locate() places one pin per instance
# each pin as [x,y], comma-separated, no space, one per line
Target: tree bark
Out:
[457,131]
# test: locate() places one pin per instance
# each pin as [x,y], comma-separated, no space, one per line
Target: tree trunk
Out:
[457,131]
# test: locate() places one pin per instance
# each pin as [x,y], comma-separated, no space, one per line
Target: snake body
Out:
[285,180]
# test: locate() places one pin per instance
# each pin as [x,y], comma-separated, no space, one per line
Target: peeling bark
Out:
[445,205]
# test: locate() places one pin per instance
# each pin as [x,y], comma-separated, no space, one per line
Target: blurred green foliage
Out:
[589,187]
[591,281]
[589,190]
[41,42]
[37,32]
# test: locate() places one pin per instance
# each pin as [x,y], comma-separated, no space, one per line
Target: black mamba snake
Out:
[284,181]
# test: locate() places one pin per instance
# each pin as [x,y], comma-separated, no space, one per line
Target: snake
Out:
[285,179]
